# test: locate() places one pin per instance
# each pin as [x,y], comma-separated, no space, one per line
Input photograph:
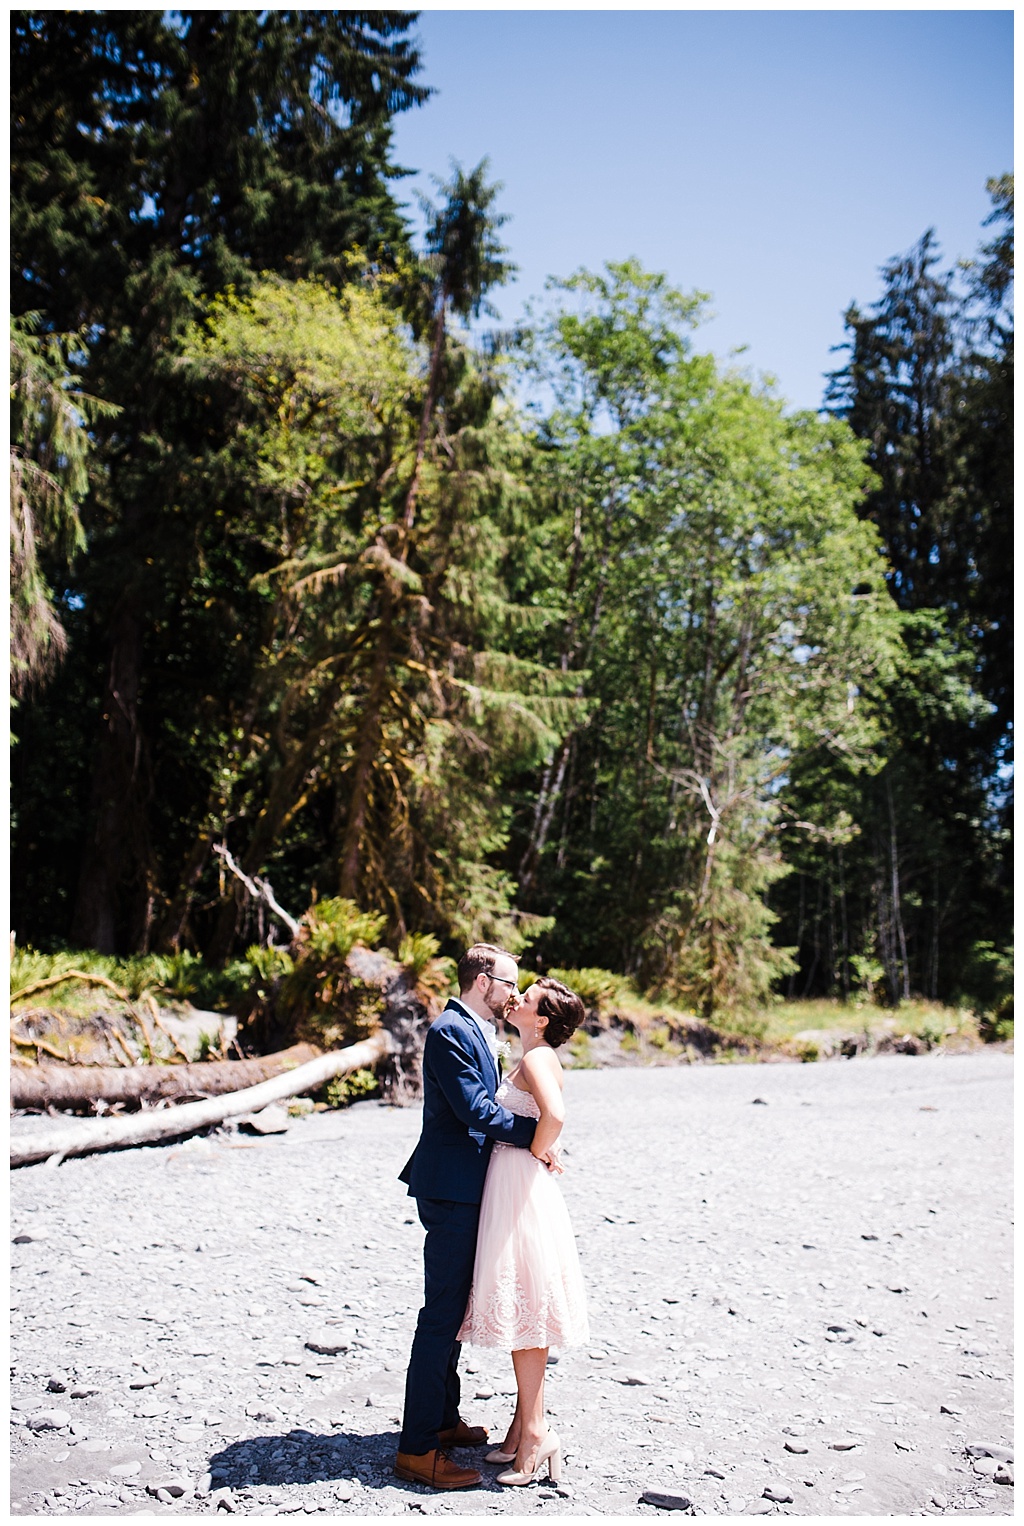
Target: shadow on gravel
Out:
[304,1457]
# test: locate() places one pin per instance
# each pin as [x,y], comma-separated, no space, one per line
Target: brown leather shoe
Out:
[435,1469]
[463,1435]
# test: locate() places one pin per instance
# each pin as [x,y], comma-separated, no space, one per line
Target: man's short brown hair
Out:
[479,960]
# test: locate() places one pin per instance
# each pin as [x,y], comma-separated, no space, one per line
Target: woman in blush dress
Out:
[527,1287]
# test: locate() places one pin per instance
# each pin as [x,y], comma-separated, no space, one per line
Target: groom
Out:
[445,1174]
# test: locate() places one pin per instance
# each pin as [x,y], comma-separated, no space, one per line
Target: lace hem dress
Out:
[527,1285]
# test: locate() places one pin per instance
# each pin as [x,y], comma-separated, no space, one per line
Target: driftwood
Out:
[170,1123]
[259,889]
[74,1086]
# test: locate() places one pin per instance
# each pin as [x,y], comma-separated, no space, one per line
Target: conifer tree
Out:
[159,156]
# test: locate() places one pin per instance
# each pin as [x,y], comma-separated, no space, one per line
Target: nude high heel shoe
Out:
[550,1452]
[499,1456]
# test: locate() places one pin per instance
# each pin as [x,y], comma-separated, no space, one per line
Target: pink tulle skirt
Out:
[527,1284]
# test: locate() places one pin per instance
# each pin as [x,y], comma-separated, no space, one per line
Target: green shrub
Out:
[335,926]
[344,1090]
[417,953]
[319,998]
[580,1051]
[595,988]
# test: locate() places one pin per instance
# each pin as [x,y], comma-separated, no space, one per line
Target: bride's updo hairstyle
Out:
[563,1009]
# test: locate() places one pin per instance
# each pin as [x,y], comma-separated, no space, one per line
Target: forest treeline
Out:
[650,673]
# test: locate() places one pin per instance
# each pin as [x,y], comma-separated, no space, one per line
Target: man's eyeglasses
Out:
[503,982]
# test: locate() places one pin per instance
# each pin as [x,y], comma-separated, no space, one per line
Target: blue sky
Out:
[772,158]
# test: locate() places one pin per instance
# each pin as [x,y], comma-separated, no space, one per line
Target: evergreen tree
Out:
[921,875]
[157,157]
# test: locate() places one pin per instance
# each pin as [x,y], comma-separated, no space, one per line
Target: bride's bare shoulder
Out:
[542,1062]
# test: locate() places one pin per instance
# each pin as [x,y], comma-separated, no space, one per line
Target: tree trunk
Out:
[429,403]
[75,1086]
[350,858]
[172,1122]
[118,830]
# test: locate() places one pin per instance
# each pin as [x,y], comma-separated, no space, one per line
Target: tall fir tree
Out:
[159,157]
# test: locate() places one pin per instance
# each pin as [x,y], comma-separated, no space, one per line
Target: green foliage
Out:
[335,926]
[987,984]
[357,1087]
[318,998]
[595,988]
[182,977]
[50,418]
[712,551]
[417,953]
[924,874]
[581,1051]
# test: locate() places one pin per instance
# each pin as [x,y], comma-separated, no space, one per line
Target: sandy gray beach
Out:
[800,1296]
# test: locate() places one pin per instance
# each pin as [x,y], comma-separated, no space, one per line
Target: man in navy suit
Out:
[445,1174]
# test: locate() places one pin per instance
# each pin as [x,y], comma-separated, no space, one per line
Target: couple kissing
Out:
[499,1259]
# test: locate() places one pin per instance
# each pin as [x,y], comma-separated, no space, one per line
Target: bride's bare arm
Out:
[541,1074]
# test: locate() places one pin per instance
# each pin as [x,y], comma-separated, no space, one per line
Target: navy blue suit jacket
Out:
[461,1120]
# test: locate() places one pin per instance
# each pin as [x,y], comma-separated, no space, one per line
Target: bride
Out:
[527,1292]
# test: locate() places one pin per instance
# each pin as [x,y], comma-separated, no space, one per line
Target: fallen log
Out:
[170,1123]
[75,1086]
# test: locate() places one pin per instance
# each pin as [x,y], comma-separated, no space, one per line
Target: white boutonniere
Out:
[504,1050]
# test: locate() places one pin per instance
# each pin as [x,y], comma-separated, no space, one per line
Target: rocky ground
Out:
[800,1294]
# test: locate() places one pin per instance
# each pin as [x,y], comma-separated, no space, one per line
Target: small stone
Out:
[84,1391]
[343,1491]
[56,1385]
[174,1488]
[49,1420]
[222,1499]
[26,1237]
[257,1310]
[714,1473]
[777,1496]
[186,1433]
[1003,1474]
[844,1446]
[269,1120]
[987,1449]
[758,1507]
[869,1237]
[125,1469]
[330,1342]
[665,1501]
[759,1101]
[986,1466]
[635,1380]
[257,1411]
[795,1448]
[145,1380]
[939,1501]
[484,1393]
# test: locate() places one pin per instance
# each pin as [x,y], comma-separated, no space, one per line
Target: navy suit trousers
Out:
[432,1384]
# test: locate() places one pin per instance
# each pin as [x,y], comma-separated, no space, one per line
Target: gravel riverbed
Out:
[800,1294]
